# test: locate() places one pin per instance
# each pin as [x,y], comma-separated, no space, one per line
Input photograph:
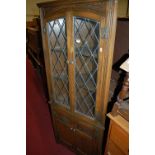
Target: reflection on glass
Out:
[86,45]
[58,47]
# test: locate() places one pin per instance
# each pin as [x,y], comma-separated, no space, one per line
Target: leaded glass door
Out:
[86,47]
[57,42]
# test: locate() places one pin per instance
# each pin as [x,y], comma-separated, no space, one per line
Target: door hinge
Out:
[105,32]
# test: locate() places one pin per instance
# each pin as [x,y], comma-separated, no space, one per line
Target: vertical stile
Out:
[111,20]
[46,54]
[70,44]
[100,79]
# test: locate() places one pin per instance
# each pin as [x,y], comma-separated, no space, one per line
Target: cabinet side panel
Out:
[46,54]
[111,20]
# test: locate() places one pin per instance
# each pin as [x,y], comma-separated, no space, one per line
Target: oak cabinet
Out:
[78,40]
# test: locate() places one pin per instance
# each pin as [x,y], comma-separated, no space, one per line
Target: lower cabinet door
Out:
[78,136]
[65,132]
[84,143]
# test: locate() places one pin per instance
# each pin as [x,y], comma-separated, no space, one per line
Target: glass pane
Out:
[86,44]
[58,46]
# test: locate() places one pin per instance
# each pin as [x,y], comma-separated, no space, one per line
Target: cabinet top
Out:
[63,2]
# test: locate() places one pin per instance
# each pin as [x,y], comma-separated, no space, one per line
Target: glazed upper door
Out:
[57,44]
[86,49]
[74,44]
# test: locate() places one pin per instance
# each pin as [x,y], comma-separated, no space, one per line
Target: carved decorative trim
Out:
[97,8]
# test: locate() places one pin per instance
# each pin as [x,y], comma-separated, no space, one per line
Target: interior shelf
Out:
[62,100]
[84,53]
[63,77]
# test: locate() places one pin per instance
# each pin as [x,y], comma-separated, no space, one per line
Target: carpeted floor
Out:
[39,133]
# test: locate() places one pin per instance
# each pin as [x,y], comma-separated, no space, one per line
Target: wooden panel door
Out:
[84,143]
[65,131]
[85,139]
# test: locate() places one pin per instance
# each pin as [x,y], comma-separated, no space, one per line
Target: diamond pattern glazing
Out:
[58,46]
[86,44]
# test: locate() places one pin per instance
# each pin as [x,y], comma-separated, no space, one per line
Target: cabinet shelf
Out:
[57,49]
[62,100]
[63,77]
[85,53]
[81,85]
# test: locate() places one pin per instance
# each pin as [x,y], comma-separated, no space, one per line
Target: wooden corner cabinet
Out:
[78,41]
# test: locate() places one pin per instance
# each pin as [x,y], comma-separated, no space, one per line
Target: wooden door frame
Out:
[100,78]
[70,52]
[47,54]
